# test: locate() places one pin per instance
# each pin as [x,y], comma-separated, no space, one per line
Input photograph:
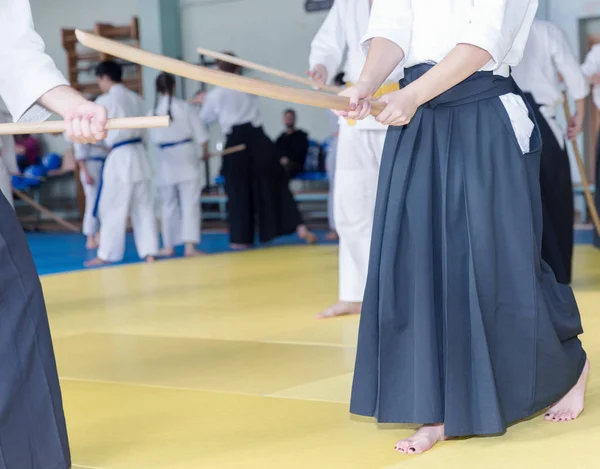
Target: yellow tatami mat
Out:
[218,362]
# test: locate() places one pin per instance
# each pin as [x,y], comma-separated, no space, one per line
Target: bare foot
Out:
[306,235]
[92,242]
[166,252]
[423,440]
[96,262]
[194,253]
[341,308]
[570,406]
[332,236]
[150,259]
[239,247]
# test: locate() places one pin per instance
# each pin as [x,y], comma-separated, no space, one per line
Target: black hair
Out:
[339,79]
[165,84]
[289,111]
[228,67]
[110,69]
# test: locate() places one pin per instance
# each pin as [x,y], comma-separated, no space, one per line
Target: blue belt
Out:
[132,141]
[174,144]
[96,158]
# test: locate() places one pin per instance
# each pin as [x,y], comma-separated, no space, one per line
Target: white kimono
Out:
[126,183]
[179,171]
[359,145]
[93,156]
[590,67]
[26,72]
[547,54]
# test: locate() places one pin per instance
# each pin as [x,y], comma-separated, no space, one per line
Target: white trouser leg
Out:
[170,218]
[91,224]
[6,184]
[189,200]
[143,221]
[356,173]
[115,201]
[330,163]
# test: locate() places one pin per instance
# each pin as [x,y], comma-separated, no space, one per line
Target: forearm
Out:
[383,57]
[580,107]
[61,100]
[462,62]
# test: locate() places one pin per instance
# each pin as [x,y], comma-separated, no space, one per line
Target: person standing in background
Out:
[292,146]
[332,235]
[359,149]
[90,160]
[178,169]
[8,161]
[126,188]
[547,55]
[257,188]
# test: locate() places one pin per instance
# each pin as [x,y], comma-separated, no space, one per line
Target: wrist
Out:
[368,84]
[61,100]
[418,93]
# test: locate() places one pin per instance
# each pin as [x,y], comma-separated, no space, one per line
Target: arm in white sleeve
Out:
[26,72]
[567,64]
[329,44]
[199,132]
[209,112]
[591,65]
[498,24]
[392,20]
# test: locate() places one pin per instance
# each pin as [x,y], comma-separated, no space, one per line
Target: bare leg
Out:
[150,259]
[341,308]
[570,406]
[191,251]
[92,242]
[308,236]
[423,440]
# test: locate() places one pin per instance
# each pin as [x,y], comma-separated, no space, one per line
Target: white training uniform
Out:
[230,108]
[93,156]
[590,67]
[330,166]
[179,171]
[126,183]
[547,54]
[359,146]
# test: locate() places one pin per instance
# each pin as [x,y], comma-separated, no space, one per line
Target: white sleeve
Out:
[591,65]
[567,64]
[496,25]
[26,72]
[392,20]
[329,44]
[209,113]
[199,132]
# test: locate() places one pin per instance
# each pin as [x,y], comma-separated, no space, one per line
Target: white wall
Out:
[276,33]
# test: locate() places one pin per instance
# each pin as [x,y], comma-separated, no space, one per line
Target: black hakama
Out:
[257,189]
[557,201]
[33,433]
[462,322]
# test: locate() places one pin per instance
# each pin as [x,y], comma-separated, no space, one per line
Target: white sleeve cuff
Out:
[32,88]
[399,36]
[488,39]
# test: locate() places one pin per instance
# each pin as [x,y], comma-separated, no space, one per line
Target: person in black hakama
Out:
[547,55]
[33,433]
[292,146]
[255,181]
[464,329]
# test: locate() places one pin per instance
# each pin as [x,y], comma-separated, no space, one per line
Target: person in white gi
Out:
[359,149]
[591,69]
[90,159]
[126,188]
[178,170]
[8,161]
[33,431]
[547,55]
